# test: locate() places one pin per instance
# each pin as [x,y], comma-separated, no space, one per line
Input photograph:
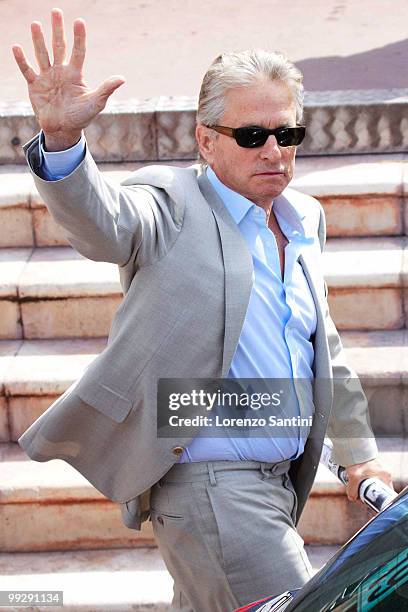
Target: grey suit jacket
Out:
[186,275]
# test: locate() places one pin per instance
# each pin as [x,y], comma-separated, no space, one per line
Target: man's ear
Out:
[205,141]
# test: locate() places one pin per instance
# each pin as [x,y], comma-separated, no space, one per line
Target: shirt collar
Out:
[237,205]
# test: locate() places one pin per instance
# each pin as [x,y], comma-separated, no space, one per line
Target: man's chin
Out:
[271,185]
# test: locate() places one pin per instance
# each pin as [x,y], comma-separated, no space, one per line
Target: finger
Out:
[79,47]
[106,89]
[40,49]
[59,45]
[352,490]
[26,69]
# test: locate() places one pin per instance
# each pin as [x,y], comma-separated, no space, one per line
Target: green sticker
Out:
[381,584]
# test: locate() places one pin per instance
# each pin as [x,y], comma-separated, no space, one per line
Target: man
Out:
[220,269]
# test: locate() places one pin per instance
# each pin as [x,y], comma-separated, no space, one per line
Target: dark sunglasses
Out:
[252,137]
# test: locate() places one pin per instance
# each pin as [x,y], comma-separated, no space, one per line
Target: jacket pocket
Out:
[104,399]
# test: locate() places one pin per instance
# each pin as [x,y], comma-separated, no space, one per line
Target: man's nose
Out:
[271,149]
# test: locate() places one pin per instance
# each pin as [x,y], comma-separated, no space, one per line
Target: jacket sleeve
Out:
[101,220]
[349,427]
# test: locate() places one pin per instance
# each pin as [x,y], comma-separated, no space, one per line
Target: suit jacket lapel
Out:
[322,358]
[322,383]
[238,271]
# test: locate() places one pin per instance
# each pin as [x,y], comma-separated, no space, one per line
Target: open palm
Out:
[62,101]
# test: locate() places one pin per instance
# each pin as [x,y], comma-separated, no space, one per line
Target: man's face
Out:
[262,173]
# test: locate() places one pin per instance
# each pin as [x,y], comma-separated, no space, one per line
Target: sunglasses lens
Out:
[288,137]
[251,137]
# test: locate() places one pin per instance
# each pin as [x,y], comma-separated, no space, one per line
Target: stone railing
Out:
[159,129]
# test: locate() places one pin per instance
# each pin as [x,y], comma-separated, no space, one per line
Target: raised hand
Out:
[62,101]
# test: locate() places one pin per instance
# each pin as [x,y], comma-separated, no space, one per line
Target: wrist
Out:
[60,141]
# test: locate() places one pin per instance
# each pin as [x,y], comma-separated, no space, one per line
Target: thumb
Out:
[107,88]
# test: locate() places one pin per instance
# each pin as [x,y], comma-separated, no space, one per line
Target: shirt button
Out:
[160,520]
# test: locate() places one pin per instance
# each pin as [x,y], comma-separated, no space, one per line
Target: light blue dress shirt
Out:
[275,338]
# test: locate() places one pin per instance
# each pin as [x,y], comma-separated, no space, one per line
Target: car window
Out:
[369,573]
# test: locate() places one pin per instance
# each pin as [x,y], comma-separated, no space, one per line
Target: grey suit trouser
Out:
[226,532]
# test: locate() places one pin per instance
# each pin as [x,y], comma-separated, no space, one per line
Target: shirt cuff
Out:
[56,165]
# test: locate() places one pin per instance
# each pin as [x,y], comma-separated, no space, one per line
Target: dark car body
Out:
[369,573]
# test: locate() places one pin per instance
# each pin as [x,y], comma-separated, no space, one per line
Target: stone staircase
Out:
[116,580]
[56,530]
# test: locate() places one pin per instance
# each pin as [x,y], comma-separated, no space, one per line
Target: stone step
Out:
[380,360]
[47,506]
[105,580]
[363,195]
[34,373]
[367,280]
[44,290]
[55,292]
[51,506]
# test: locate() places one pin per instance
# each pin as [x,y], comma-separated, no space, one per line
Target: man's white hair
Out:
[242,69]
